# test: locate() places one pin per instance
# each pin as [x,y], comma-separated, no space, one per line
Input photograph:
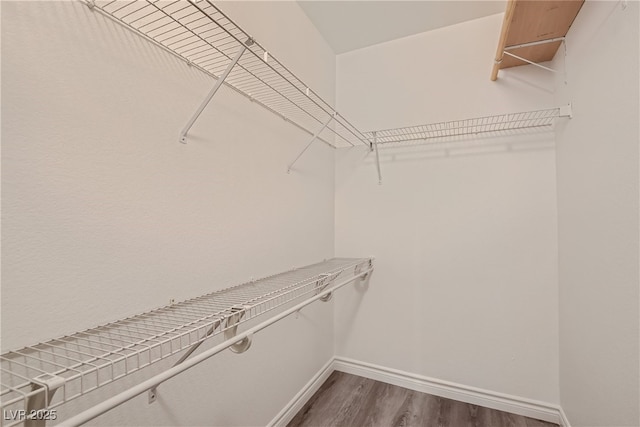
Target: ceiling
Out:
[350,25]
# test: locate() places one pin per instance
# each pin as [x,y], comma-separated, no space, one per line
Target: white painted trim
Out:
[291,409]
[463,393]
[564,421]
[476,396]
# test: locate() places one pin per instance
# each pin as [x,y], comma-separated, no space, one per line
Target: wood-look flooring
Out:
[352,401]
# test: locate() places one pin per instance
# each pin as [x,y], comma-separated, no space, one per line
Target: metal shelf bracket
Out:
[375,146]
[506,51]
[315,136]
[566,111]
[216,86]
[231,325]
[322,283]
[40,401]
[153,392]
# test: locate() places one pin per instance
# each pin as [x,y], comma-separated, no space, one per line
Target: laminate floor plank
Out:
[346,400]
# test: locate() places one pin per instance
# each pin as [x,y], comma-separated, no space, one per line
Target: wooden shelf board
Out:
[529,21]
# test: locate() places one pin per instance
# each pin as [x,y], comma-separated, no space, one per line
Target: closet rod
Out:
[74,365]
[129,394]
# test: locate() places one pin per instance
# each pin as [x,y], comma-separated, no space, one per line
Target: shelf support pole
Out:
[375,145]
[506,23]
[315,136]
[219,82]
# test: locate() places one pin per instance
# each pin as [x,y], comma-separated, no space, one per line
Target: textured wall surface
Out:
[106,215]
[464,234]
[500,263]
[598,187]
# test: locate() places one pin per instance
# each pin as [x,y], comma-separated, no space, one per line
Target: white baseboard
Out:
[476,396]
[564,421]
[473,395]
[291,409]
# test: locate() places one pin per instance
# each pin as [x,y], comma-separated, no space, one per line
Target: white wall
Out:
[464,235]
[106,215]
[598,175]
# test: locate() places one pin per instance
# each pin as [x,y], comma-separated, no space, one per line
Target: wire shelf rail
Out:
[500,123]
[203,36]
[496,125]
[65,368]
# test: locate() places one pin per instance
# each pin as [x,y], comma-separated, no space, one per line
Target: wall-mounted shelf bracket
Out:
[315,136]
[358,270]
[153,392]
[566,111]
[38,402]
[375,146]
[231,325]
[323,281]
[531,44]
[535,43]
[216,86]
[532,32]
[506,52]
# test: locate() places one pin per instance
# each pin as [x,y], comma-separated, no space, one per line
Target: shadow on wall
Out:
[353,299]
[513,141]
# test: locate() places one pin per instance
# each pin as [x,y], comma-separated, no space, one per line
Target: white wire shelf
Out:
[203,36]
[85,361]
[496,124]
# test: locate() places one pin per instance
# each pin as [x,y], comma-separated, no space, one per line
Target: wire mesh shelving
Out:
[500,123]
[62,369]
[202,35]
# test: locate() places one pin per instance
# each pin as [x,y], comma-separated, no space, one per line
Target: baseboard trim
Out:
[476,396]
[291,409]
[473,395]
[564,421]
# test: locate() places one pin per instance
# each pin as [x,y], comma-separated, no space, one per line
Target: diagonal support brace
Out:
[230,326]
[375,146]
[315,136]
[530,62]
[219,82]
[153,392]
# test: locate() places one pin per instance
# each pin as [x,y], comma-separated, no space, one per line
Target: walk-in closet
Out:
[320,213]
